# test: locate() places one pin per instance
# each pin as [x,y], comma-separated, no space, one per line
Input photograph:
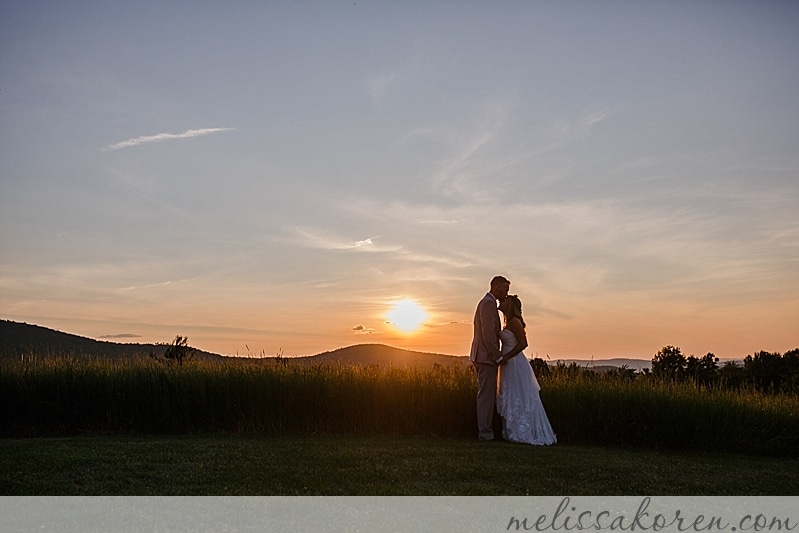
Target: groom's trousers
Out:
[486,396]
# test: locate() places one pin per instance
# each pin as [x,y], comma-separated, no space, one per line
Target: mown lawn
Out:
[370,465]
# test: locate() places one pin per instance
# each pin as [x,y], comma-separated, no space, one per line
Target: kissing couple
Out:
[506,382]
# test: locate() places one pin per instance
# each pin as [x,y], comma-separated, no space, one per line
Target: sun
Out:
[407,316]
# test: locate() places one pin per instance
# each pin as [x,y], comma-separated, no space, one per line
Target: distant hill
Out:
[601,365]
[382,355]
[19,338]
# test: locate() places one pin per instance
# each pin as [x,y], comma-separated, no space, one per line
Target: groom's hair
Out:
[499,280]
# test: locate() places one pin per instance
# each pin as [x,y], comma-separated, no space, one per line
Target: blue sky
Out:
[267,177]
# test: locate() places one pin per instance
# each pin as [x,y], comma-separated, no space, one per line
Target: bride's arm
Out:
[515,325]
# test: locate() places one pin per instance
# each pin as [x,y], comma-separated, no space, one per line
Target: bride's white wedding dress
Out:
[518,401]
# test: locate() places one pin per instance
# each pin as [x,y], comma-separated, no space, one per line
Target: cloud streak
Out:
[588,121]
[315,238]
[360,329]
[145,139]
[456,174]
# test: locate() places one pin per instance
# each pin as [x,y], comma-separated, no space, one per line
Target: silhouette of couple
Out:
[506,383]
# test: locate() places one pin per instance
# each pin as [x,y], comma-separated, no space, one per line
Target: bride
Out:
[523,415]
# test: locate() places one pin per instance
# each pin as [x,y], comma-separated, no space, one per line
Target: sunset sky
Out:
[268,177]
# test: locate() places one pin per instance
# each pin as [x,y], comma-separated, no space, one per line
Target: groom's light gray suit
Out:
[485,356]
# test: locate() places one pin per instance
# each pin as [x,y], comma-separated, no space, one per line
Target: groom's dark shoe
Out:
[497,425]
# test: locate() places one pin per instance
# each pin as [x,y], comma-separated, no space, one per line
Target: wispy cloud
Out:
[360,329]
[151,285]
[165,137]
[457,174]
[587,122]
[120,336]
[364,242]
[317,238]
[567,131]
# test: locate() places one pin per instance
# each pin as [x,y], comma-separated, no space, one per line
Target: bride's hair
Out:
[514,309]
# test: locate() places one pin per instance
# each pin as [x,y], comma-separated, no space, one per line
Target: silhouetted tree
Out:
[704,371]
[772,372]
[179,350]
[763,370]
[731,375]
[791,363]
[669,363]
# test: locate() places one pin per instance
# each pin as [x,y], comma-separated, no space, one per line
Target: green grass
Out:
[348,465]
[78,396]
[645,412]
[68,396]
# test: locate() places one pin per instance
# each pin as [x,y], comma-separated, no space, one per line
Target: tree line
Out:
[767,372]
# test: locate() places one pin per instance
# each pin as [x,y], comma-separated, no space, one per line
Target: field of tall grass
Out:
[82,395]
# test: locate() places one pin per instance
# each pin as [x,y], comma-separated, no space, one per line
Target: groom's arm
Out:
[488,321]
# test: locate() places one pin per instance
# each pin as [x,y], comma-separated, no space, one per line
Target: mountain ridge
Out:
[19,338]
[382,354]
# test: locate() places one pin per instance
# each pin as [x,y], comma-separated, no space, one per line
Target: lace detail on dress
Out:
[523,416]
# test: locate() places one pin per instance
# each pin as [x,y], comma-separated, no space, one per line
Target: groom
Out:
[486,355]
